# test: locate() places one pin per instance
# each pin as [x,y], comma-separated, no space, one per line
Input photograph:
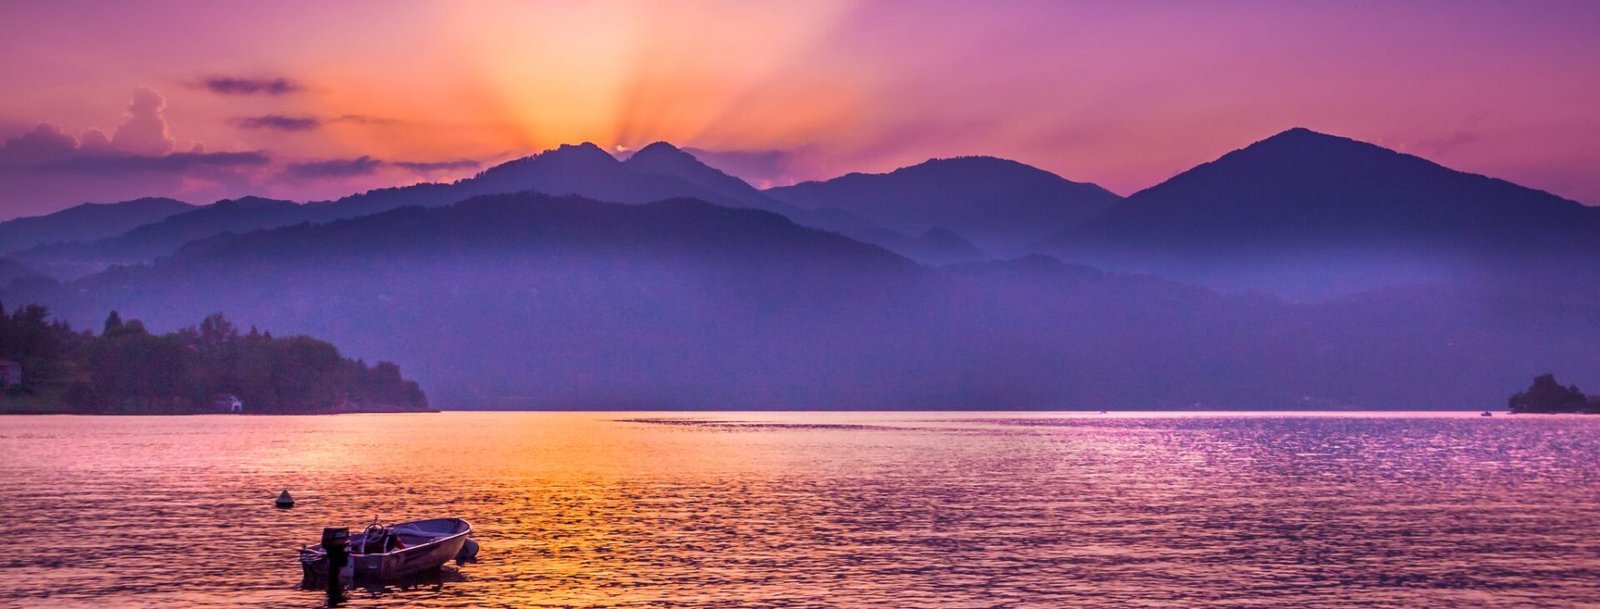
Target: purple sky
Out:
[305,100]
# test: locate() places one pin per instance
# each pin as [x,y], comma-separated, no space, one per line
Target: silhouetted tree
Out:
[1546,395]
[45,348]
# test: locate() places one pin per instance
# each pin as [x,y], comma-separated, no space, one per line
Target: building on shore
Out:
[228,403]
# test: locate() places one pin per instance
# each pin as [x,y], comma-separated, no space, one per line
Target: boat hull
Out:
[409,561]
[444,538]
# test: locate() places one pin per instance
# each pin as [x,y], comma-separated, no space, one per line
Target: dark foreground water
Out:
[819,510]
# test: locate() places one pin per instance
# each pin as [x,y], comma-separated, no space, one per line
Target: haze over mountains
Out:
[1383,280]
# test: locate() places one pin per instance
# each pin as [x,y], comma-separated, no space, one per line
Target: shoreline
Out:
[1089,411]
[206,414]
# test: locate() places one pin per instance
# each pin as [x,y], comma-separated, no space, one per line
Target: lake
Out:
[819,509]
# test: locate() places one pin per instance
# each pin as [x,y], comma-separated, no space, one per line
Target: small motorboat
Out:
[389,552]
[1486,414]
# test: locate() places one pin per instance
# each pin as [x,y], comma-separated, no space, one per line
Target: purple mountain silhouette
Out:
[87,222]
[527,300]
[657,172]
[663,159]
[1305,214]
[1000,205]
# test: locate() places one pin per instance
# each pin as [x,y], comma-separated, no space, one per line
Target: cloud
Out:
[45,168]
[279,122]
[141,144]
[43,142]
[144,130]
[42,171]
[94,140]
[334,168]
[437,166]
[176,163]
[282,122]
[363,119]
[366,165]
[230,85]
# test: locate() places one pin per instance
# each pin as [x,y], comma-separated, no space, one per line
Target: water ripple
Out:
[820,510]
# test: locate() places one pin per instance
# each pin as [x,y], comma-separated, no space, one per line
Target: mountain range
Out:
[86,222]
[1305,270]
[659,171]
[1001,206]
[1307,215]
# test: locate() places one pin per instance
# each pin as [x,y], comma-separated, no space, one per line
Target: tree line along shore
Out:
[46,366]
[1549,397]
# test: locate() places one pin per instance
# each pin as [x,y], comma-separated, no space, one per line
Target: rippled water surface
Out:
[819,510]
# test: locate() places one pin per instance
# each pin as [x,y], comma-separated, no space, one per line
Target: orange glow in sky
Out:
[1124,95]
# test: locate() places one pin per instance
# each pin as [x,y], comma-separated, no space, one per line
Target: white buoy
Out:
[284,501]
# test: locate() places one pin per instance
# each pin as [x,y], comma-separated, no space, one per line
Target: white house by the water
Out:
[228,402]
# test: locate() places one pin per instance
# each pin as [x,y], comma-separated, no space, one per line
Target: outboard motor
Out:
[468,553]
[336,542]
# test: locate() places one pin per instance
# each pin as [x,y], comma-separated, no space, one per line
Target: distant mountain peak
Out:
[86,222]
[1304,133]
[1000,204]
[1301,132]
[969,161]
[1300,140]
[586,151]
[141,201]
[660,154]
[582,158]
[661,147]
[1319,215]
[251,202]
[665,160]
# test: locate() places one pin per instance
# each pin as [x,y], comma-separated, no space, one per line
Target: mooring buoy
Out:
[284,501]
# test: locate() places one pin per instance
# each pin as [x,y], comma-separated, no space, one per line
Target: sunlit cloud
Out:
[144,129]
[45,167]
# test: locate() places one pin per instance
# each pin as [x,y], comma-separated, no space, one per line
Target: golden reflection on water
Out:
[820,509]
